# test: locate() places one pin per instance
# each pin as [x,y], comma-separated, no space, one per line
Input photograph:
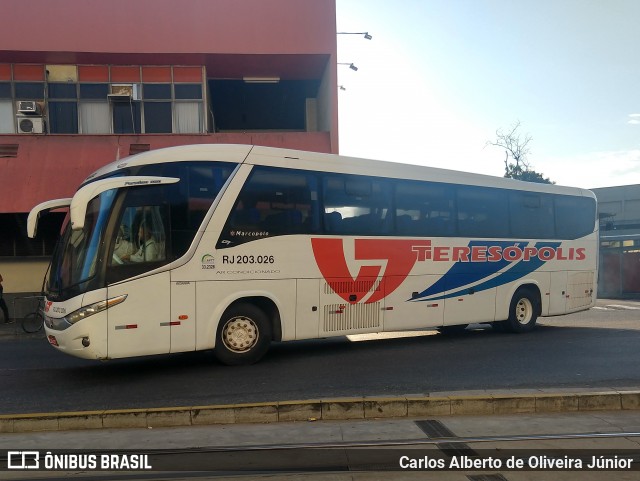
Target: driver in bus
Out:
[149,250]
[124,247]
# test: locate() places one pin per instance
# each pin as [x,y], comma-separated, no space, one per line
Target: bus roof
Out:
[302,160]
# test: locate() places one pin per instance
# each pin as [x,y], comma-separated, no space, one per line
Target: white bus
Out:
[231,247]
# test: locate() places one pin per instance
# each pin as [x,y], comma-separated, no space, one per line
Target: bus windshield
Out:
[74,263]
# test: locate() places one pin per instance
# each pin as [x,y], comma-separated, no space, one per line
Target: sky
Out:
[440,77]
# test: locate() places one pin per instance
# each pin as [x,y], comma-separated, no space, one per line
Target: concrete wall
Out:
[619,209]
[623,202]
[22,279]
[23,274]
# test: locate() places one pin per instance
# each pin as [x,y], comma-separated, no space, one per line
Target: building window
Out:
[157,108]
[157,91]
[15,243]
[188,111]
[241,106]
[76,99]
[188,91]
[63,117]
[63,108]
[29,90]
[126,117]
[6,109]
[188,118]
[95,115]
[157,117]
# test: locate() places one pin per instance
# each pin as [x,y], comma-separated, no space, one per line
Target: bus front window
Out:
[75,260]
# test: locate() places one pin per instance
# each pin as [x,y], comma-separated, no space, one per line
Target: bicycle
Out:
[34,321]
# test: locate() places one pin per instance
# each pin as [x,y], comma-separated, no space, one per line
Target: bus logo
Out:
[208,261]
[396,257]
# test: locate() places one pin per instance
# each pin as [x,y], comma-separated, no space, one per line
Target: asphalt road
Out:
[597,348]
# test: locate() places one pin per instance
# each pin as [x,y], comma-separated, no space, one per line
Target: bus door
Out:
[558,293]
[140,325]
[139,246]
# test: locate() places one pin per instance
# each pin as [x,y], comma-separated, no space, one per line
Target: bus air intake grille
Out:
[351,317]
[347,287]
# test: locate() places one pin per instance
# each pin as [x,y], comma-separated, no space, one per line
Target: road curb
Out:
[373,407]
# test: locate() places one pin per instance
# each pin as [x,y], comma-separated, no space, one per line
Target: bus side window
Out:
[424,209]
[273,202]
[575,216]
[482,212]
[531,215]
[357,205]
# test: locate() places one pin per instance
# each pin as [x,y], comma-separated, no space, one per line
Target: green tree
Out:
[516,147]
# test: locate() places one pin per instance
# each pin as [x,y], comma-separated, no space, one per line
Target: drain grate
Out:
[435,429]
[487,477]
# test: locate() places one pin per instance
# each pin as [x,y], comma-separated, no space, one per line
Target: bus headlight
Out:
[94,308]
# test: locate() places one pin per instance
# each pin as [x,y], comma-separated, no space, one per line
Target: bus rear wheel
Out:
[523,311]
[244,335]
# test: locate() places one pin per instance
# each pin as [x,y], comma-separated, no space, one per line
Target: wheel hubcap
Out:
[524,311]
[240,334]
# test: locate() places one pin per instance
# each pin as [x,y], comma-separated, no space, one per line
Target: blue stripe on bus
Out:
[469,272]
[515,272]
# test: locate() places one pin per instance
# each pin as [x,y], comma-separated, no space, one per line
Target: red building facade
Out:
[83,83]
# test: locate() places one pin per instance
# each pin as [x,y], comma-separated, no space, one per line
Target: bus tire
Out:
[523,311]
[244,335]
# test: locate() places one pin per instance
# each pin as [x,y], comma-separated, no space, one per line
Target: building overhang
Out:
[221,66]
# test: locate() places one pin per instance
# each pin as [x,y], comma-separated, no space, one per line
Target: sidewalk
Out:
[14,330]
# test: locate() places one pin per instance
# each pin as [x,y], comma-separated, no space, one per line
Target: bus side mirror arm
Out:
[34,214]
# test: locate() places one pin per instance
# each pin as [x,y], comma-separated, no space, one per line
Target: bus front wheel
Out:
[523,311]
[243,336]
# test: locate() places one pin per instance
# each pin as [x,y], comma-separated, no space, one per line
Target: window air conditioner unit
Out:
[124,92]
[29,107]
[29,124]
